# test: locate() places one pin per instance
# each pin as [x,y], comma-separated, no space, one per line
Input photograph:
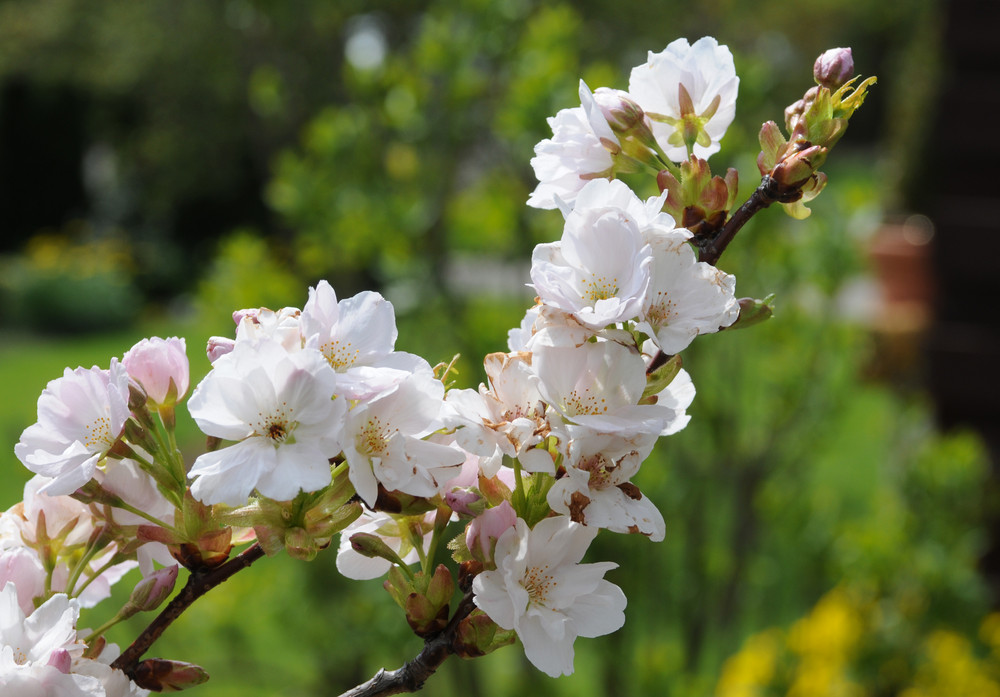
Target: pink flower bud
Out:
[151,591]
[482,534]
[161,367]
[465,502]
[218,346]
[833,68]
[619,109]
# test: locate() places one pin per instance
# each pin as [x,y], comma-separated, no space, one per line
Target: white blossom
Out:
[688,91]
[280,407]
[68,526]
[574,155]
[597,490]
[542,591]
[80,416]
[255,325]
[599,270]
[687,297]
[597,387]
[357,335]
[384,440]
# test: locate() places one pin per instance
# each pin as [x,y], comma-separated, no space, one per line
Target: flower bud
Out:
[478,635]
[698,201]
[151,591]
[621,126]
[426,604]
[833,68]
[372,546]
[619,109]
[137,396]
[465,501]
[483,532]
[161,675]
[796,167]
[753,312]
[161,367]
[218,346]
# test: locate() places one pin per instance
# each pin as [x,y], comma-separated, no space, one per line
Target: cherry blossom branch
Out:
[711,248]
[413,674]
[198,583]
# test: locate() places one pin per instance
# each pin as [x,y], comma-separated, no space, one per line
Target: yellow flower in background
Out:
[989,632]
[826,639]
[832,629]
[750,670]
[951,669]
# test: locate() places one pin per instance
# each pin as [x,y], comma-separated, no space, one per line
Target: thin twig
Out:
[198,583]
[412,675]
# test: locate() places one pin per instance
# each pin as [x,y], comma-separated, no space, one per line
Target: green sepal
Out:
[753,312]
[478,635]
[661,377]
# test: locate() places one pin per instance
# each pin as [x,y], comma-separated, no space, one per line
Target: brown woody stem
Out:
[711,248]
[198,583]
[413,674]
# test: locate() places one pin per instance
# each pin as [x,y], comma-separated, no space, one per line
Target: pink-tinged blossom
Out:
[280,407]
[542,591]
[577,153]
[462,493]
[80,416]
[384,440]
[22,567]
[688,91]
[507,418]
[398,532]
[597,490]
[161,367]
[599,270]
[687,297]
[357,335]
[37,648]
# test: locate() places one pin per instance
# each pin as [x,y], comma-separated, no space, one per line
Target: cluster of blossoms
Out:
[318,426]
[678,105]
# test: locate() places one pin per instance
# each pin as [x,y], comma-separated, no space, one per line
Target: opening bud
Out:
[833,68]
[483,532]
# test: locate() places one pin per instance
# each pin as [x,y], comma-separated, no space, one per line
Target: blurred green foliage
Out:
[817,524]
[68,283]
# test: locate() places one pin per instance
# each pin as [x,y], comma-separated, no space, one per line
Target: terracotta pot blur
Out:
[900,253]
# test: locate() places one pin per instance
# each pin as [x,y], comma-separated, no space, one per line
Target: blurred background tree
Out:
[164,163]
